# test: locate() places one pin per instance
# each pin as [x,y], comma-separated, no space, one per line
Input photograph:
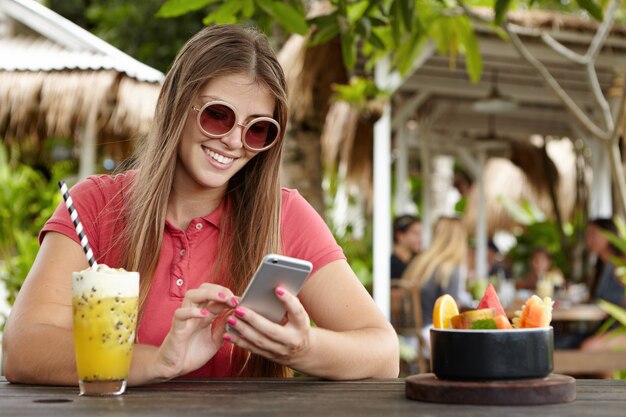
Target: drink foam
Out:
[105,282]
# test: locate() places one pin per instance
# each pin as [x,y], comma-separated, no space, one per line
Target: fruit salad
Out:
[489,314]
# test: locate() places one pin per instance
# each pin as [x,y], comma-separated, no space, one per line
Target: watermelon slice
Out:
[490,300]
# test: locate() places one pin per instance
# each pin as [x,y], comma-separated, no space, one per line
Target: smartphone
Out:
[274,271]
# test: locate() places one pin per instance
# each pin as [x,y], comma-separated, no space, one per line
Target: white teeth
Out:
[219,158]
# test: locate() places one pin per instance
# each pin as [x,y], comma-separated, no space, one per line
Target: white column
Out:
[382,210]
[389,81]
[481,223]
[427,204]
[402,198]
[600,191]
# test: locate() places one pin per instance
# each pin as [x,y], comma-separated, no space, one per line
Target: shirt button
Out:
[180,282]
[198,226]
[182,252]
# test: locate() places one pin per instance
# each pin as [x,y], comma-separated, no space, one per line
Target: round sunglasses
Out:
[217,119]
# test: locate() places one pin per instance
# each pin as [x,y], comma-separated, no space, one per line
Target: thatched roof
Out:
[38,105]
[59,74]
[542,19]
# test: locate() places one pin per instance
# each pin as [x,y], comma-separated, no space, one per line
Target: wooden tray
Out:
[553,389]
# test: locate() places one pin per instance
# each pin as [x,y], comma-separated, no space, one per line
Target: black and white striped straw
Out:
[77,225]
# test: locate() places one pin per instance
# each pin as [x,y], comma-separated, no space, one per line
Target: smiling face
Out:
[206,163]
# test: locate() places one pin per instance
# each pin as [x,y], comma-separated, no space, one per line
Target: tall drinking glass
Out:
[105,315]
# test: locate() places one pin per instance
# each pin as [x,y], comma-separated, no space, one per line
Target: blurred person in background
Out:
[441,269]
[407,242]
[604,284]
[543,275]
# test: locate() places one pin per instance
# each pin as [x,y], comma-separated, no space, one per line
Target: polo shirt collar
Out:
[214,218]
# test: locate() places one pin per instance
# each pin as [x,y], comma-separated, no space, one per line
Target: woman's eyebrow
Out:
[211,97]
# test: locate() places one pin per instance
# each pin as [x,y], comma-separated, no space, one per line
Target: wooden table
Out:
[579,312]
[297,397]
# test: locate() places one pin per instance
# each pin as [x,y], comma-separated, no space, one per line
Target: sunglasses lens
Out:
[261,134]
[217,119]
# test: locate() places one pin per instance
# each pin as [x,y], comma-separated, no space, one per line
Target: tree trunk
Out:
[302,164]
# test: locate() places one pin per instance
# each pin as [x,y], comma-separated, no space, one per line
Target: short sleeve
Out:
[304,233]
[99,205]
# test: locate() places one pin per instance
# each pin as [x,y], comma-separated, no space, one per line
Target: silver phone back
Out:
[274,271]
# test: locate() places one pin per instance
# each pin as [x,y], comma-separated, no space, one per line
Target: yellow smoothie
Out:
[104,334]
[104,303]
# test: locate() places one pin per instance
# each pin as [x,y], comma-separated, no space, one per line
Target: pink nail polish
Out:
[221,295]
[280,291]
[204,313]
[227,337]
[240,312]
[234,301]
[232,321]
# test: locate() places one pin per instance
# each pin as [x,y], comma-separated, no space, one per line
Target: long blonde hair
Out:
[447,251]
[252,226]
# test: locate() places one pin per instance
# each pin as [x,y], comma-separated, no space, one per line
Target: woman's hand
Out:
[195,335]
[286,343]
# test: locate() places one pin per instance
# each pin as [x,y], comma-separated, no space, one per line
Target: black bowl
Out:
[491,354]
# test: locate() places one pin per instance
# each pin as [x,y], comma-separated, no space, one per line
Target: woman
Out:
[195,217]
[441,269]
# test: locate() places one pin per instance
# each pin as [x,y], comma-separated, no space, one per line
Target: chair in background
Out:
[406,318]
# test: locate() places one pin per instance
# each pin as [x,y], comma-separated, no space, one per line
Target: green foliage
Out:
[27,200]
[539,232]
[175,8]
[500,9]
[358,250]
[358,92]
[372,29]
[291,18]
[133,26]
[617,312]
[524,213]
[592,7]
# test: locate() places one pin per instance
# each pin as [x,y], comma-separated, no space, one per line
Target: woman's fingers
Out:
[280,342]
[296,313]
[247,345]
[186,313]
[211,292]
[183,315]
[246,335]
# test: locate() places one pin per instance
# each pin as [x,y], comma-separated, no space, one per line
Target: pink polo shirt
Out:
[187,256]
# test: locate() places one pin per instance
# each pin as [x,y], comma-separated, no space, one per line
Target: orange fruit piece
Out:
[445,309]
[535,313]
